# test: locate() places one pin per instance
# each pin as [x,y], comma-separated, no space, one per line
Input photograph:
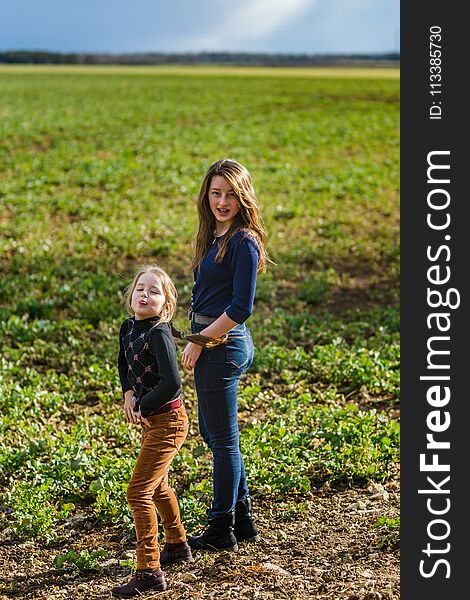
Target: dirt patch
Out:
[329,549]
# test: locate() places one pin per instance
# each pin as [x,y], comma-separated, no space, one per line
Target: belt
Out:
[173,405]
[201,319]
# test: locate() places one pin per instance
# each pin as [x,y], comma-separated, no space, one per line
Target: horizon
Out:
[196,53]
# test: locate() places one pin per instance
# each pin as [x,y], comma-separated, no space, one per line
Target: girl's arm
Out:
[169,385]
[122,365]
[244,264]
[131,416]
[219,327]
[127,390]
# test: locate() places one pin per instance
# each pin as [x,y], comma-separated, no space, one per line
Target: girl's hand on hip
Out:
[190,355]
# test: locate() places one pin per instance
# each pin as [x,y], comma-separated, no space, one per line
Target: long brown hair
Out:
[247,219]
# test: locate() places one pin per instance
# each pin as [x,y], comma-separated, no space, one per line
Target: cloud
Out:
[311,26]
[249,21]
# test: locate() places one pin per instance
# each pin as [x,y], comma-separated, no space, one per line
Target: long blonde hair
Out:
[247,219]
[169,290]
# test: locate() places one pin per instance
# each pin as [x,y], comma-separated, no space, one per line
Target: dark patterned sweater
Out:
[147,363]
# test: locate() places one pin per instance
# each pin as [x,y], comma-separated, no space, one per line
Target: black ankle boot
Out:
[218,536]
[245,529]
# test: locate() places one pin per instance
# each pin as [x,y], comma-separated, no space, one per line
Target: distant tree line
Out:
[200,58]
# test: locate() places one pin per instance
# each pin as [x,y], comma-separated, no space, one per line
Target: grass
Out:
[101,171]
[333,72]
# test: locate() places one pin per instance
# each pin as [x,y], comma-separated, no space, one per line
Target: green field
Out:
[100,172]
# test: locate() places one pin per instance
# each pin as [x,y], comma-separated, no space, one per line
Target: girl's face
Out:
[148,297]
[223,202]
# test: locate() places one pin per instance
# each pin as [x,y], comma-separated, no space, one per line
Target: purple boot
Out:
[173,553]
[144,580]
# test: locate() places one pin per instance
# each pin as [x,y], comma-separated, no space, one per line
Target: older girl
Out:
[230,250]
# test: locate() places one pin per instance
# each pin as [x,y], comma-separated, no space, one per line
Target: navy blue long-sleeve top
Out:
[228,286]
[147,363]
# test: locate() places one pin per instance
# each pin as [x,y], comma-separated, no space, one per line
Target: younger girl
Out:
[151,386]
[230,251]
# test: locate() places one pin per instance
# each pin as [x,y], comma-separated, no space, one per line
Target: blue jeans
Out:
[216,376]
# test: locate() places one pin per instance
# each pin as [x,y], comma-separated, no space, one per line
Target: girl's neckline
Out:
[220,234]
[146,320]
[218,237]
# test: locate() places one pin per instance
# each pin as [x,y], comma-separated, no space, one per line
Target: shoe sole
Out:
[177,560]
[157,588]
[214,549]
[255,538]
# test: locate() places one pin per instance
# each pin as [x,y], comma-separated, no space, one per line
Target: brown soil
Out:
[332,550]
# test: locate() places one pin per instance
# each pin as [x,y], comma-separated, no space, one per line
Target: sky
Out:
[128,26]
